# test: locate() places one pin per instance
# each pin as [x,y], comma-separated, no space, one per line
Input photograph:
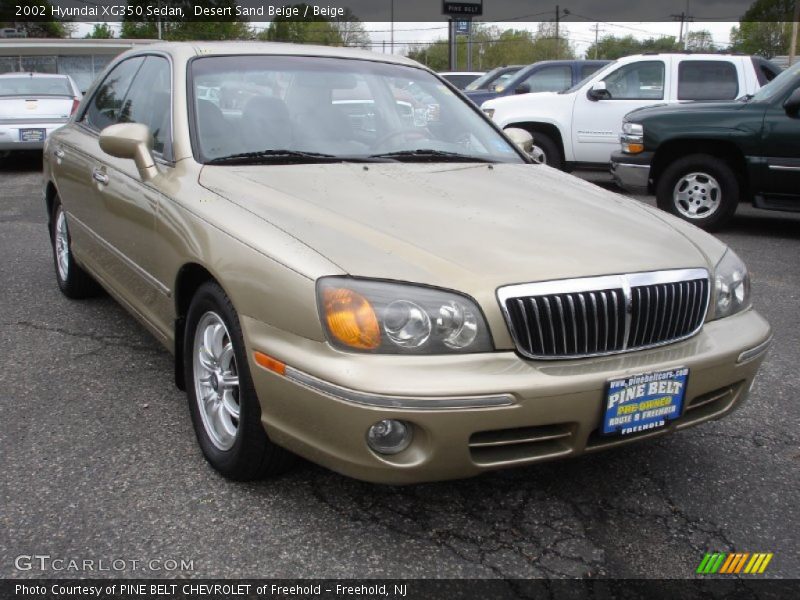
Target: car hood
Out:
[481,96]
[468,227]
[521,100]
[658,110]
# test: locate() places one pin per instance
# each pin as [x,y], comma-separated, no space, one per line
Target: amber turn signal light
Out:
[351,318]
[633,148]
[269,363]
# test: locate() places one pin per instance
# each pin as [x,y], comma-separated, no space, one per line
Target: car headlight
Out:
[489,112]
[632,138]
[396,318]
[731,286]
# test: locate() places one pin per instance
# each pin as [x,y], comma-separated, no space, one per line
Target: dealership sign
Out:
[462,8]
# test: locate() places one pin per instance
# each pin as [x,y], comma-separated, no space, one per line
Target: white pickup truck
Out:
[580,127]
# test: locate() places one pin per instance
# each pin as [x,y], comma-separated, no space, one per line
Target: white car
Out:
[32,106]
[580,127]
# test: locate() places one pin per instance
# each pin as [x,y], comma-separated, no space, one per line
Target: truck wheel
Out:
[222,398]
[546,151]
[700,189]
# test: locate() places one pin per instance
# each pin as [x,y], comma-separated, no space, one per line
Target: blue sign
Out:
[463,27]
[644,402]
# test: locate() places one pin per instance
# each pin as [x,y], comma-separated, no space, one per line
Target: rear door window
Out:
[550,79]
[707,80]
[104,108]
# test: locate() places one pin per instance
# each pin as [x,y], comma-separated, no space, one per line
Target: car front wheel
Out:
[72,280]
[700,189]
[222,398]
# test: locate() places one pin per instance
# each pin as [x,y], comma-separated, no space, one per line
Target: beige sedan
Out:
[352,264]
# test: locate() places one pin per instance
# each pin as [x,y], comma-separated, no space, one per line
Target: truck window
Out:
[707,80]
[637,81]
[550,79]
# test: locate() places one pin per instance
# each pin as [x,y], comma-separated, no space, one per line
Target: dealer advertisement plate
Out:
[644,402]
[32,135]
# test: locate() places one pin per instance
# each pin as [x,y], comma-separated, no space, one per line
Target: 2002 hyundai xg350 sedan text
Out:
[352,264]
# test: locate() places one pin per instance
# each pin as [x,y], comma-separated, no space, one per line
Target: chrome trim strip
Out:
[783,168]
[381,401]
[754,352]
[625,282]
[118,253]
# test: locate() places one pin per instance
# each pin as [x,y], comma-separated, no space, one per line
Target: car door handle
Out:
[59,153]
[99,176]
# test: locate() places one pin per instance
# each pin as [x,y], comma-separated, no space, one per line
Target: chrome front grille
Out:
[605,315]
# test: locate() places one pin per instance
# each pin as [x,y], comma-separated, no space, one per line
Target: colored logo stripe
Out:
[724,563]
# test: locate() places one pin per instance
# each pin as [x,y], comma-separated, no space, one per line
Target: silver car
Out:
[32,106]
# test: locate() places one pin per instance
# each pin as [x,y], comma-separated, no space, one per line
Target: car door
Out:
[597,123]
[74,151]
[130,205]
[781,151]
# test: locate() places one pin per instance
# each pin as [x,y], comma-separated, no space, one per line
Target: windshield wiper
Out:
[429,155]
[745,98]
[274,156]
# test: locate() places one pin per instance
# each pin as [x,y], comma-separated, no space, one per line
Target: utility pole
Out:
[391,10]
[558,19]
[596,38]
[684,18]
[793,43]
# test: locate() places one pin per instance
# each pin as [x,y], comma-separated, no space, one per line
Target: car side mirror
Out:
[523,88]
[598,91]
[131,140]
[792,104]
[521,138]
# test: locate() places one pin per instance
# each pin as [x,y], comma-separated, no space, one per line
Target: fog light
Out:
[389,436]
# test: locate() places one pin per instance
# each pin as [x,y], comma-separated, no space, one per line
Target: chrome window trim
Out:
[400,402]
[625,282]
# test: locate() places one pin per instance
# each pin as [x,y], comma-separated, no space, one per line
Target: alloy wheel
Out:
[697,195]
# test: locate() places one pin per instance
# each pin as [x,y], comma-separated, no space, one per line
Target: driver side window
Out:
[637,81]
[106,104]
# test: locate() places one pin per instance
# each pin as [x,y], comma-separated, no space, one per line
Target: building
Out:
[82,59]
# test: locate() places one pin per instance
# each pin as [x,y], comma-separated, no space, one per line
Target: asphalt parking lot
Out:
[100,460]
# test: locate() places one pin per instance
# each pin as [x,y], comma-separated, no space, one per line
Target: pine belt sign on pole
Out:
[465,9]
[462,8]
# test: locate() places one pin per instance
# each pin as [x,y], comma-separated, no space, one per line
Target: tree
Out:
[611,47]
[147,27]
[37,29]
[298,30]
[700,41]
[101,31]
[765,28]
[492,47]
[351,30]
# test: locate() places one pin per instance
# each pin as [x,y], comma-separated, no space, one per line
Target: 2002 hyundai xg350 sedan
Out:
[351,263]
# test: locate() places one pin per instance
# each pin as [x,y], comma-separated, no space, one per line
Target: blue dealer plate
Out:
[644,402]
[32,135]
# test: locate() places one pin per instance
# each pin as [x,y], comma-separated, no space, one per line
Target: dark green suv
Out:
[702,159]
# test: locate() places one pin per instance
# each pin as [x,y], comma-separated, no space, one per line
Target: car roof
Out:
[461,72]
[35,75]
[186,50]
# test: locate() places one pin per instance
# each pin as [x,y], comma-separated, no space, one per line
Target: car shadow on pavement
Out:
[21,162]
[765,224]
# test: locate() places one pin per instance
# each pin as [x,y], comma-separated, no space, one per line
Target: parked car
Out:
[703,159]
[580,127]
[543,76]
[497,76]
[398,302]
[32,106]
[461,79]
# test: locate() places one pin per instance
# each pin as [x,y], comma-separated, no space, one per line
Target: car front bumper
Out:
[10,135]
[322,406]
[632,171]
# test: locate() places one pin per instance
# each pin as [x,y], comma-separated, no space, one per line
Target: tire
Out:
[550,153]
[72,280]
[700,189]
[228,422]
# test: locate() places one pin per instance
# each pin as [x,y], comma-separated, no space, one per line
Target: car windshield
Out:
[579,85]
[774,87]
[268,108]
[494,76]
[35,86]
